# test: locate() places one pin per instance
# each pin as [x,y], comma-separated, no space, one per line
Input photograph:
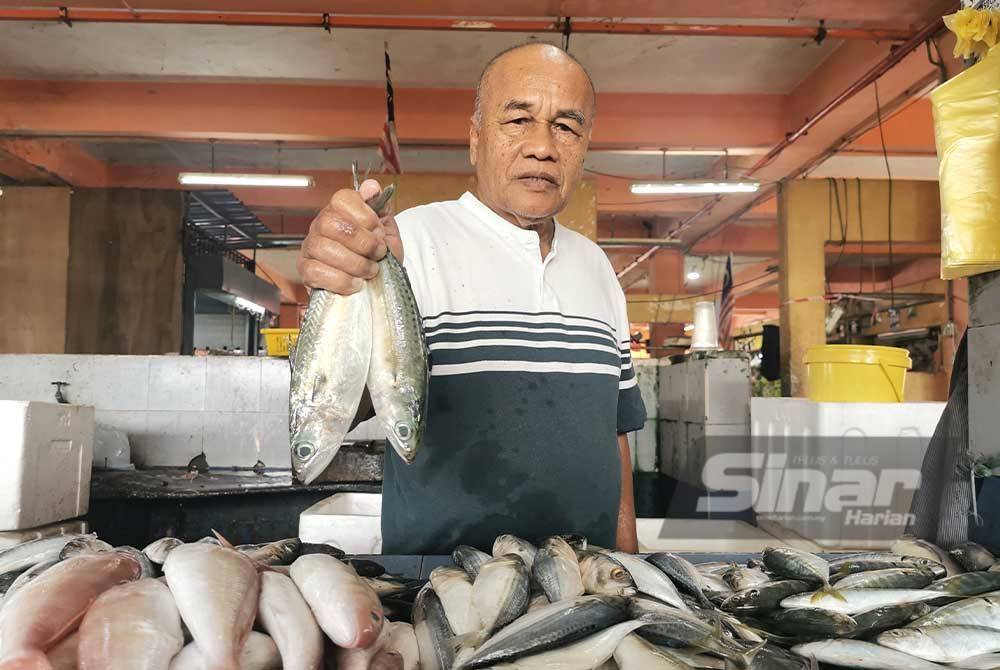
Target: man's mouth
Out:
[538,180]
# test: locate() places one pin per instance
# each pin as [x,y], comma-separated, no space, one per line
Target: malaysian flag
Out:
[726,306]
[388,145]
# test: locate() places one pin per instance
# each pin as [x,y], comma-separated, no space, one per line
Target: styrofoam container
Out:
[349,521]
[13,538]
[46,452]
[863,457]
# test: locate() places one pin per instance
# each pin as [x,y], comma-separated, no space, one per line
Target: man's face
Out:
[537,109]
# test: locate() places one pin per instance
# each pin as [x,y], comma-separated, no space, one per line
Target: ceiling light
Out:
[688,327]
[694,186]
[224,179]
[694,275]
[249,306]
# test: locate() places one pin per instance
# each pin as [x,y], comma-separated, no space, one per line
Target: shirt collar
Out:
[503,226]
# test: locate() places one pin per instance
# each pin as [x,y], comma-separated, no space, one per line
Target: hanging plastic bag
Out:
[976,29]
[967,130]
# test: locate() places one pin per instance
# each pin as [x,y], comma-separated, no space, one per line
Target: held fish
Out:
[858,654]
[398,373]
[329,369]
[134,625]
[557,570]
[797,564]
[345,607]
[216,590]
[285,616]
[48,609]
[650,580]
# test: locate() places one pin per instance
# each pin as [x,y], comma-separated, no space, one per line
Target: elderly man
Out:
[532,388]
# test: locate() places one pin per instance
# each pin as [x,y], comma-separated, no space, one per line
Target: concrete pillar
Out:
[802,232]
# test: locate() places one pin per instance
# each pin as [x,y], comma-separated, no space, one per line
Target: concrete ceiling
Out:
[420,58]
[197,156]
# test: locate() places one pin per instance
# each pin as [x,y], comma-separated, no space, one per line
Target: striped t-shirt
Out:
[531,381]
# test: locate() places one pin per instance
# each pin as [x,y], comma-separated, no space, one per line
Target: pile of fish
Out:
[76,602]
[371,339]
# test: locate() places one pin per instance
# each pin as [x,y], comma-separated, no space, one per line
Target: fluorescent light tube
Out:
[249,305]
[694,187]
[224,179]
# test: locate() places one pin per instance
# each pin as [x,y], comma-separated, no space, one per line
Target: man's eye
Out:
[564,128]
[520,121]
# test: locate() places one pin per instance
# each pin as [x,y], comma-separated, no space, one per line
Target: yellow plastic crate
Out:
[279,340]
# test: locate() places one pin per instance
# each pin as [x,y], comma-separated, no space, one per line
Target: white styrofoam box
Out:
[12,538]
[350,521]
[46,452]
[808,450]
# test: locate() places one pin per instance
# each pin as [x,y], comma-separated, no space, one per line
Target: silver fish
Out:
[603,575]
[880,619]
[682,573]
[27,554]
[556,625]
[280,552]
[982,612]
[764,596]
[909,546]
[740,578]
[877,560]
[398,372]
[942,644]
[216,590]
[675,628]
[798,564]
[500,593]
[134,625]
[434,634]
[454,589]
[283,613]
[586,654]
[858,654]
[853,601]
[650,580]
[635,653]
[892,578]
[258,653]
[469,559]
[148,569]
[557,570]
[157,551]
[329,370]
[967,584]
[811,622]
[972,556]
[511,544]
[88,544]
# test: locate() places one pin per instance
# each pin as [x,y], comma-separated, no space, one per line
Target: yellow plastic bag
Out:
[976,29]
[967,131]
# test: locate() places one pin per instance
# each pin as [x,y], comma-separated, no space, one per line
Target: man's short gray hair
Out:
[477,109]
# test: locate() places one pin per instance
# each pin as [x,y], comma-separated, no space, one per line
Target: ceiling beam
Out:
[54,162]
[354,114]
[900,13]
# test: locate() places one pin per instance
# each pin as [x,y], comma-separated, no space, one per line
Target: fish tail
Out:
[31,659]
[223,541]
[827,590]
[748,656]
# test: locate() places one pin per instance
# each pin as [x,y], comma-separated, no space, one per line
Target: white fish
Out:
[216,590]
[981,662]
[157,550]
[403,640]
[859,600]
[47,609]
[650,580]
[500,592]
[259,652]
[858,654]
[134,625]
[979,611]
[63,656]
[635,653]
[942,644]
[586,654]
[454,588]
[557,570]
[345,607]
[285,616]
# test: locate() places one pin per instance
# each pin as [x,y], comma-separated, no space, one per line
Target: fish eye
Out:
[618,573]
[403,431]
[304,450]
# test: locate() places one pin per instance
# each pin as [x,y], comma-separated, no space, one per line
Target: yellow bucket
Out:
[279,340]
[856,373]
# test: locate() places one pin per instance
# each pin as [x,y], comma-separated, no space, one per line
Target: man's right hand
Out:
[345,242]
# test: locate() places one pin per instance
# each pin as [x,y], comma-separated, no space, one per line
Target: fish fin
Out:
[748,656]
[222,541]
[828,590]
[468,640]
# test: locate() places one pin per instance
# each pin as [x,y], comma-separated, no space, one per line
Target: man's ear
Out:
[473,141]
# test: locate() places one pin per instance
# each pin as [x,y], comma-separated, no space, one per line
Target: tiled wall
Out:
[234,409]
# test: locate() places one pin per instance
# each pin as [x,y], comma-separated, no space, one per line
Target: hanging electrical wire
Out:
[888,171]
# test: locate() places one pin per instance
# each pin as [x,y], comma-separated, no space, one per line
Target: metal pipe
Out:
[330,21]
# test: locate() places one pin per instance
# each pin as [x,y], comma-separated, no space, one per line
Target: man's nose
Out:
[540,143]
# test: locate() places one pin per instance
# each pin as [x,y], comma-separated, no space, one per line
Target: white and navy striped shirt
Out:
[531,380]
